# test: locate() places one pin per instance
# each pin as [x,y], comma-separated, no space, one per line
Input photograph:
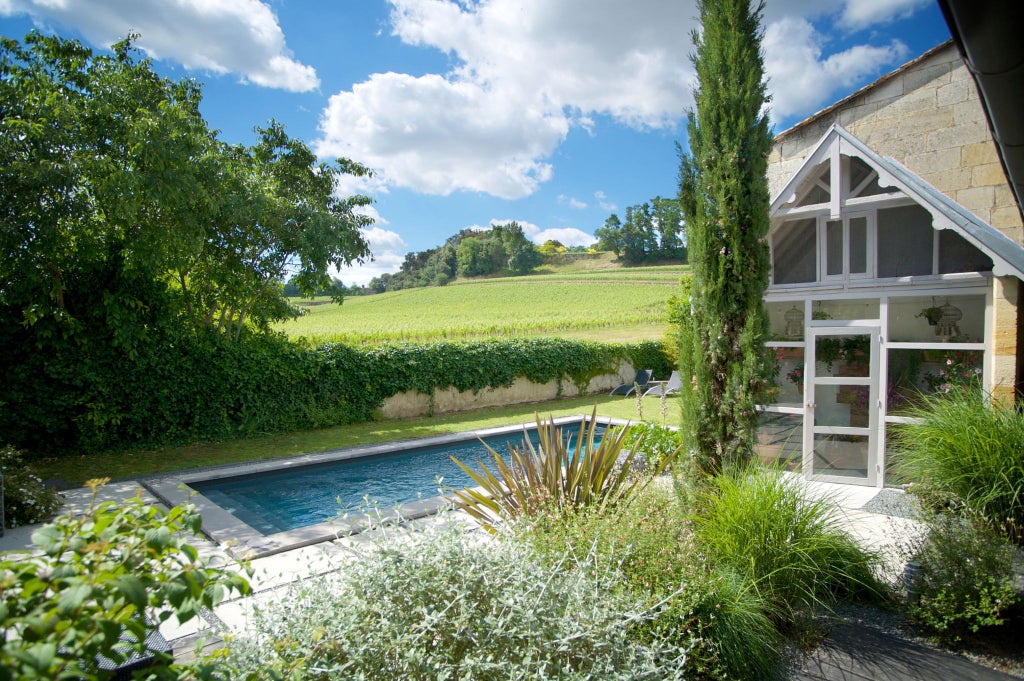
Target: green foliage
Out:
[561,473]
[788,545]
[207,387]
[660,444]
[115,572]
[439,605]
[650,542]
[26,500]
[966,581]
[965,451]
[724,197]
[652,231]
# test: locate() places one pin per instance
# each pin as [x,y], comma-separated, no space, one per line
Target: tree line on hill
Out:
[652,231]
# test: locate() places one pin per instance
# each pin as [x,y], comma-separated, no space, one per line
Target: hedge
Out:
[202,388]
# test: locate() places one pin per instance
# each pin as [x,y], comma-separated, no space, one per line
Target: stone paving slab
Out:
[852,652]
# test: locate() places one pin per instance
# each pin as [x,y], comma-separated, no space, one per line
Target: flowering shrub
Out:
[959,369]
[26,499]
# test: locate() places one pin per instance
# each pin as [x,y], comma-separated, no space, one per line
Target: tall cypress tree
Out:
[724,196]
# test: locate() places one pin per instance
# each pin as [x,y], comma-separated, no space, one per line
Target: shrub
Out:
[26,499]
[966,450]
[444,604]
[649,540]
[660,444]
[552,474]
[112,573]
[763,525]
[966,580]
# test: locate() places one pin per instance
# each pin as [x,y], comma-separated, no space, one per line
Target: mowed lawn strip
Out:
[131,464]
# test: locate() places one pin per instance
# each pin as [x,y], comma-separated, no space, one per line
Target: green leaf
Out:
[72,598]
[134,590]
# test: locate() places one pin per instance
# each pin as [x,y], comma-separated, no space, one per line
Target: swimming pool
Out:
[274,505]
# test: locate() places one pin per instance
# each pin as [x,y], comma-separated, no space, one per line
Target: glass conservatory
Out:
[881,291]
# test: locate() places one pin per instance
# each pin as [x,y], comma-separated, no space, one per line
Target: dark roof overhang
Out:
[990,37]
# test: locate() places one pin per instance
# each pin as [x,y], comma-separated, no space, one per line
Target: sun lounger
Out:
[643,378]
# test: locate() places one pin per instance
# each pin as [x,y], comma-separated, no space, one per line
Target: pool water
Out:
[294,498]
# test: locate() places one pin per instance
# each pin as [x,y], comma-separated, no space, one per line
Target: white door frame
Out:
[838,328]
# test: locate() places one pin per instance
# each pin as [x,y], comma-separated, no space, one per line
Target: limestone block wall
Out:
[414,403]
[928,117]
[1005,335]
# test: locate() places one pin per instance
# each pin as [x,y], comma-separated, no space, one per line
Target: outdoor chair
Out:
[673,385]
[643,378]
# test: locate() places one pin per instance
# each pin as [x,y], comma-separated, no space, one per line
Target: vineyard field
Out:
[611,305]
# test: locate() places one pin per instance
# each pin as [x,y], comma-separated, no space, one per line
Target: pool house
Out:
[896,268]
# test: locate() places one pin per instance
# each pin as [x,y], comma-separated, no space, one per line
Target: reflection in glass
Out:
[912,373]
[916,319]
[787,388]
[780,440]
[842,406]
[848,356]
[841,455]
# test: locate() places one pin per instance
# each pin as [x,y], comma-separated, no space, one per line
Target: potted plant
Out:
[933,314]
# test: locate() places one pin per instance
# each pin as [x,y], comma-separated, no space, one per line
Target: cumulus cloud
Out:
[567,236]
[860,14]
[220,36]
[437,136]
[527,71]
[388,250]
[803,79]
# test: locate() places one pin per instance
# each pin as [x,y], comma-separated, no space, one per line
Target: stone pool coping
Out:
[245,542]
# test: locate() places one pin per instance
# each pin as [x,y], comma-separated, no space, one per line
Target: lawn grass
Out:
[75,470]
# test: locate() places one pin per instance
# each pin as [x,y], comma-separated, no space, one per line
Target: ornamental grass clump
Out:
[552,475]
[965,452]
[441,604]
[762,525]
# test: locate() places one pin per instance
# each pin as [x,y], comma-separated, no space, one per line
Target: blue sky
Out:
[554,113]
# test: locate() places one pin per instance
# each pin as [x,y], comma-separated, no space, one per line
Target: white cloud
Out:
[802,79]
[603,202]
[221,36]
[860,14]
[567,236]
[572,202]
[388,250]
[527,71]
[437,136]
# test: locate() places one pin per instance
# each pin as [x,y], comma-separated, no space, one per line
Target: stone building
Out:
[897,266]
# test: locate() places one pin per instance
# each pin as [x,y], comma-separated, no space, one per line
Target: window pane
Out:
[780,439]
[787,385]
[864,308]
[904,242]
[841,405]
[847,356]
[786,320]
[913,373]
[910,319]
[794,252]
[834,247]
[845,455]
[957,255]
[858,245]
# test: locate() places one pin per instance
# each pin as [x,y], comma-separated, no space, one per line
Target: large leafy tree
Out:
[128,230]
[724,197]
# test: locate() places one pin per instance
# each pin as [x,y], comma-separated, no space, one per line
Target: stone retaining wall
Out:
[414,403]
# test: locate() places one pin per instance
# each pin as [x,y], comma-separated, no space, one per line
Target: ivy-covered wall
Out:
[206,388]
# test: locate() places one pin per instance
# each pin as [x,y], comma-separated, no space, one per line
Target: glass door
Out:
[841,402]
